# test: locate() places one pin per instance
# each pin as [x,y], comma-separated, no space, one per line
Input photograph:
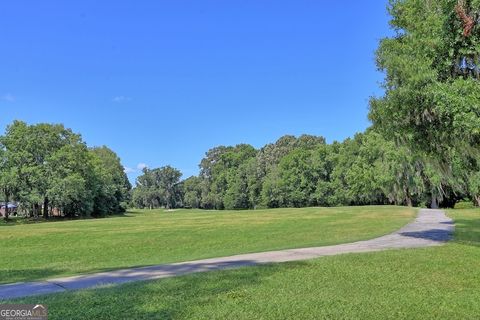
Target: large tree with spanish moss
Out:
[432,89]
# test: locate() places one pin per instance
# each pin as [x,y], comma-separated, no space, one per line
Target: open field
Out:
[440,283]
[39,251]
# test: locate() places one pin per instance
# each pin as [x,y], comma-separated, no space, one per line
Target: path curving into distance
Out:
[430,228]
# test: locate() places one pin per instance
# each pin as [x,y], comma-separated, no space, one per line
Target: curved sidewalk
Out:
[430,228]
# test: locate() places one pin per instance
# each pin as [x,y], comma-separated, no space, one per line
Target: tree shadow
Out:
[467,232]
[173,298]
[118,274]
[17,275]
[18,221]
[8,224]
[448,222]
[149,272]
[438,235]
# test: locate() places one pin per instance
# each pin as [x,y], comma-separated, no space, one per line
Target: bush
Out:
[464,204]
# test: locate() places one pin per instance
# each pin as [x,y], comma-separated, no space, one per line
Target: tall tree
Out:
[219,170]
[49,166]
[432,84]
[70,173]
[159,187]
[9,178]
[192,192]
[112,187]
[169,183]
[31,148]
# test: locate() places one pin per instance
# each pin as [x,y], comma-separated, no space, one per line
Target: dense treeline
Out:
[49,170]
[305,171]
[423,147]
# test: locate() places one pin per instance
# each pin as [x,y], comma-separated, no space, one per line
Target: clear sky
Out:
[161,82]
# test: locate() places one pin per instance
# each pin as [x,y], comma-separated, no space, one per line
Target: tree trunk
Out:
[36,208]
[6,207]
[408,198]
[409,201]
[167,200]
[434,204]
[45,208]
[477,200]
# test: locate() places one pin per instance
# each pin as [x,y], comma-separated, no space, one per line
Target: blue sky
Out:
[161,82]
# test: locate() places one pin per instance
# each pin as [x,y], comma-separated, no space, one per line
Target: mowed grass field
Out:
[428,283]
[140,238]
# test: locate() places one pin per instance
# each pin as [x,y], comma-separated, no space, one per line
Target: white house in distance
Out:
[12,208]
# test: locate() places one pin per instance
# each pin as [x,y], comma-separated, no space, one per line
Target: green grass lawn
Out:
[46,250]
[428,283]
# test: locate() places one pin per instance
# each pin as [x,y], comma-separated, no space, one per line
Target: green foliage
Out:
[160,188]
[367,169]
[48,168]
[431,105]
[241,177]
[110,182]
[192,192]
[226,176]
[305,171]
[464,204]
[70,172]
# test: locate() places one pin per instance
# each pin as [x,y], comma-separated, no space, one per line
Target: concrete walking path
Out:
[430,228]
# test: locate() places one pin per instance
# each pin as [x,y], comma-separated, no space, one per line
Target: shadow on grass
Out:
[18,221]
[116,275]
[467,231]
[173,298]
[185,296]
[448,222]
[23,275]
[149,273]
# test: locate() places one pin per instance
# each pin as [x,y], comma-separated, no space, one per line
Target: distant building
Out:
[12,208]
